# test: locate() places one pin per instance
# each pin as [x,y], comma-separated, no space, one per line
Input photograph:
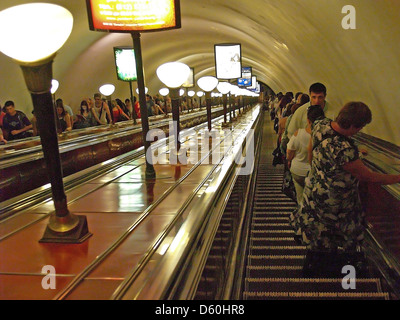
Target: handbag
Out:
[288,185]
[278,157]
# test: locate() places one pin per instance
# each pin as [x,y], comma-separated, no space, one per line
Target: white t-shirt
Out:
[300,165]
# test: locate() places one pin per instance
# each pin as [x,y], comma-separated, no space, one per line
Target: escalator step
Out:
[273,219]
[274,271]
[273,208]
[276,260]
[278,250]
[277,214]
[308,285]
[264,233]
[271,226]
[273,241]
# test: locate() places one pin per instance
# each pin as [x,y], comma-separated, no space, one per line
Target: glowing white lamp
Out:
[234,89]
[33,32]
[200,94]
[54,86]
[173,74]
[145,90]
[164,92]
[107,89]
[224,87]
[191,93]
[207,83]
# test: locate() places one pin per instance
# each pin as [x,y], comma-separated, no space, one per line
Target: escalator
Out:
[275,261]
[268,262]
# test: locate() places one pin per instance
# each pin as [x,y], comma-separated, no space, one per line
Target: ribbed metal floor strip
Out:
[316,295]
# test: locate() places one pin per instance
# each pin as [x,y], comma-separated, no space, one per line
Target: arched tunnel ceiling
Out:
[289,43]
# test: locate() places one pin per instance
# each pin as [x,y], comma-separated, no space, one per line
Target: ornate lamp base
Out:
[77,235]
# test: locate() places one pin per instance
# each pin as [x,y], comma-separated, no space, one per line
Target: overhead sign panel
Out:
[133,15]
[245,80]
[228,61]
[125,63]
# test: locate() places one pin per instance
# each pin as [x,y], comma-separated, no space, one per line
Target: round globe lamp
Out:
[191,94]
[31,34]
[107,90]
[208,84]
[54,86]
[173,75]
[164,92]
[146,90]
[233,92]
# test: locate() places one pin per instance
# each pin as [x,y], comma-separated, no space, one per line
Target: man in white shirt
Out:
[317,97]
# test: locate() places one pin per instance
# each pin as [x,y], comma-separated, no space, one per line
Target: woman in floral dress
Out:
[331,215]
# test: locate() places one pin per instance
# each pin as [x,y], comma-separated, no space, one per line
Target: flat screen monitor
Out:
[133,15]
[228,61]
[125,63]
[245,80]
[253,83]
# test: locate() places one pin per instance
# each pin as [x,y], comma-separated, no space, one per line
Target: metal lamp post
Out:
[200,94]
[224,88]
[191,94]
[31,34]
[164,92]
[208,84]
[173,75]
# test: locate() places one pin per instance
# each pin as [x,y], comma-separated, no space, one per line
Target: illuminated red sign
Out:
[133,15]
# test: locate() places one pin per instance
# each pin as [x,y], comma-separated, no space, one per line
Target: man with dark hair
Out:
[15,123]
[317,97]
[150,105]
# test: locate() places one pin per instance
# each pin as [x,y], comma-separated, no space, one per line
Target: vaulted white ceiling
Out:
[289,43]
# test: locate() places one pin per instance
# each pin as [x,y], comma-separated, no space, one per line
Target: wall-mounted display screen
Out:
[125,63]
[189,83]
[133,15]
[245,80]
[253,83]
[228,61]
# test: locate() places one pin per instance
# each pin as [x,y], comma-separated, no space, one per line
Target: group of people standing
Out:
[14,124]
[326,167]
